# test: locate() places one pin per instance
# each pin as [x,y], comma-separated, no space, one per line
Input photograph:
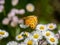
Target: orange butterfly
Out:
[31,21]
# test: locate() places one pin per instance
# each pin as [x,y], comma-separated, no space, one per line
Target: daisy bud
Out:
[15,19]
[11,14]
[2,1]
[13,24]
[21,11]
[15,2]
[5,21]
[15,10]
[1,8]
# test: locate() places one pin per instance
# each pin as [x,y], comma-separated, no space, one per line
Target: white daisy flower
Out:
[19,37]
[1,8]
[29,41]
[4,33]
[14,2]
[41,27]
[47,34]
[23,26]
[51,26]
[12,43]
[52,40]
[30,7]
[36,35]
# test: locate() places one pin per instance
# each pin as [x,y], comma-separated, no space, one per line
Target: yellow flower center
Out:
[47,33]
[52,39]
[30,42]
[2,33]
[20,36]
[36,36]
[42,28]
[30,7]
[51,26]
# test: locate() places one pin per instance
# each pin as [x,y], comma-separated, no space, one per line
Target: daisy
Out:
[1,8]
[52,40]
[14,2]
[30,7]
[3,33]
[51,26]
[29,41]
[19,37]
[12,43]
[36,35]
[47,34]
[41,27]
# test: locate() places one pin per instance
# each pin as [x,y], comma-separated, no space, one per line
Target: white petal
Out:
[23,26]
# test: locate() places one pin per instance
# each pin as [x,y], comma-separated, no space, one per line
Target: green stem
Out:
[17,30]
[4,12]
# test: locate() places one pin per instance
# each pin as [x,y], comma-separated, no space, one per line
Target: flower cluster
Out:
[12,19]
[40,32]
[2,5]
[3,34]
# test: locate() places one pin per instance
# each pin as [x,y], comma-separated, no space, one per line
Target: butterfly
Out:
[31,21]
